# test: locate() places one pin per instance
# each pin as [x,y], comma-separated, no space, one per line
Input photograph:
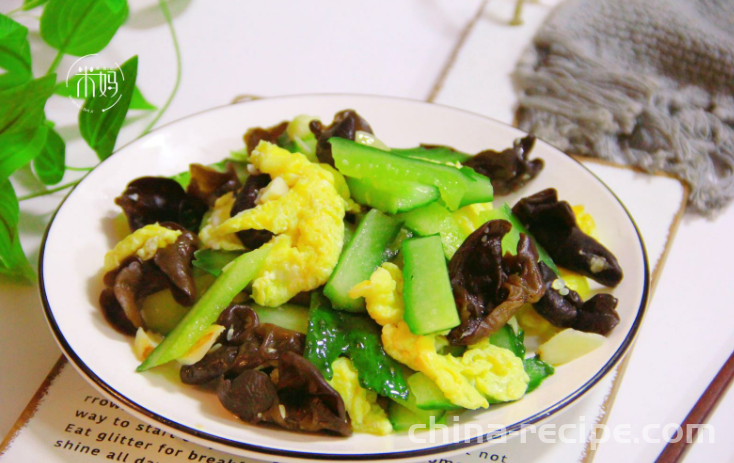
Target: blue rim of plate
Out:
[126,403]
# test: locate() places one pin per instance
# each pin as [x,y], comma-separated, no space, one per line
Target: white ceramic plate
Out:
[81,233]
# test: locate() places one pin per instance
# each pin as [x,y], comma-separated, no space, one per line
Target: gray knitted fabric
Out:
[642,82]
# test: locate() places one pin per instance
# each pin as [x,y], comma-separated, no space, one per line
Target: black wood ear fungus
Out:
[553,224]
[489,287]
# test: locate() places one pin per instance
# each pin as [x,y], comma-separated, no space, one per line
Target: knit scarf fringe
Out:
[572,101]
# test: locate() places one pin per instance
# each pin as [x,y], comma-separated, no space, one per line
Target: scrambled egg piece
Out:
[472,217]
[576,282]
[219,215]
[585,221]
[308,220]
[484,371]
[496,372]
[383,293]
[144,243]
[534,324]
[361,404]
[419,353]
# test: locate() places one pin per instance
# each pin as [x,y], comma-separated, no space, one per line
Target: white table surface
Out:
[399,48]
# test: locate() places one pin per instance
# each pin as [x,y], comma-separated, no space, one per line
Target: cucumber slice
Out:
[393,198]
[364,162]
[479,189]
[207,309]
[510,240]
[507,338]
[429,301]
[162,313]
[427,394]
[364,253]
[404,413]
[213,261]
[433,219]
[440,154]
[289,316]
[393,249]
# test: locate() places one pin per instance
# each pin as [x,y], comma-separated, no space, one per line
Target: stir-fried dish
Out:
[319,280]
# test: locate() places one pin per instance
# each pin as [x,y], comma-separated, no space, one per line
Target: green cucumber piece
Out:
[364,162]
[506,338]
[429,300]
[440,154]
[333,333]
[436,219]
[289,316]
[364,253]
[393,197]
[404,413]
[162,312]
[349,229]
[537,370]
[427,394]
[393,249]
[479,189]
[235,277]
[510,240]
[213,261]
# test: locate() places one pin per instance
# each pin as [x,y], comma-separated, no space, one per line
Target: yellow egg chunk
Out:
[143,242]
[484,371]
[383,294]
[308,220]
[219,215]
[534,324]
[361,404]
[576,282]
[585,222]
[497,372]
[419,353]
[472,217]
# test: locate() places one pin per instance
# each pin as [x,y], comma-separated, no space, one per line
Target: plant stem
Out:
[167,14]
[55,62]
[48,192]
[79,169]
[12,12]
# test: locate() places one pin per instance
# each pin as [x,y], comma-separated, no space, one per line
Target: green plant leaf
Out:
[139,102]
[50,164]
[82,27]
[74,88]
[101,118]
[30,4]
[22,128]
[15,53]
[13,261]
[19,148]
